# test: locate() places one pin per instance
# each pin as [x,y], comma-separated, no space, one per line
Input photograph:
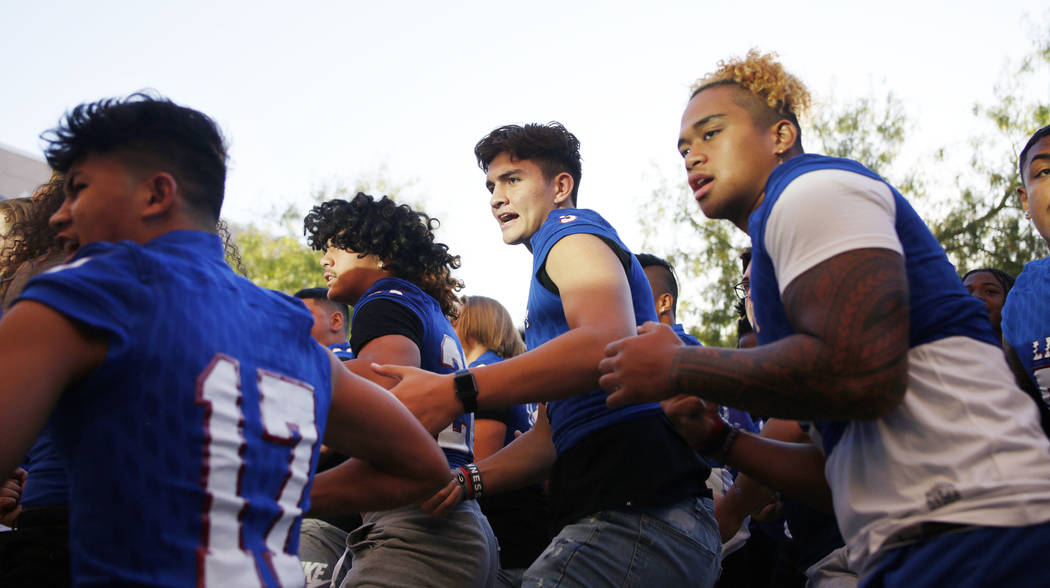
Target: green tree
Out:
[984,225]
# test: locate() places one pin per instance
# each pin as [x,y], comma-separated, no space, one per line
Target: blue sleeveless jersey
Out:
[522,416]
[939,306]
[47,483]
[573,419]
[342,351]
[1026,323]
[441,353]
[192,446]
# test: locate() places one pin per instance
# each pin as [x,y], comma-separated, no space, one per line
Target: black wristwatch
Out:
[466,390]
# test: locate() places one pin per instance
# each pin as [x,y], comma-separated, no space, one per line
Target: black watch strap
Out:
[466,390]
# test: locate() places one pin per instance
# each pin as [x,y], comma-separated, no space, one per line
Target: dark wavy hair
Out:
[550,146]
[29,237]
[147,131]
[402,238]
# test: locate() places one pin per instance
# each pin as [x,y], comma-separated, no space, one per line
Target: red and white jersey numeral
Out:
[287,413]
[288,417]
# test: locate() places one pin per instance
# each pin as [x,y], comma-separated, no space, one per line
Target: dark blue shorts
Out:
[984,556]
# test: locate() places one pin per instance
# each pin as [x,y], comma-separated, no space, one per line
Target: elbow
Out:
[875,398]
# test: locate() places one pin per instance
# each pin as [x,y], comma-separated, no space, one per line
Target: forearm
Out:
[526,461]
[560,368]
[798,377]
[744,497]
[794,469]
[357,486]
[847,360]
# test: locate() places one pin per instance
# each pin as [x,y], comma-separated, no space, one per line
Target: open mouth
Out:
[68,245]
[505,218]
[700,185]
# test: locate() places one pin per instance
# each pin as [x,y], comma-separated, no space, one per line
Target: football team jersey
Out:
[342,351]
[440,353]
[520,417]
[1026,323]
[192,445]
[964,446]
[47,483]
[574,418]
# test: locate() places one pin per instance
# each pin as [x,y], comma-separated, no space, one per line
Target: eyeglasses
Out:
[743,289]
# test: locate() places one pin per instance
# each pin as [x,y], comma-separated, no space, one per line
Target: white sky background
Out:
[317,92]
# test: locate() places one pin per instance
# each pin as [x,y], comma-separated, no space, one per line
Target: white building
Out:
[20,172]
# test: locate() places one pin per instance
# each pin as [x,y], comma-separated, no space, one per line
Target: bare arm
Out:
[747,495]
[596,300]
[847,360]
[488,437]
[32,335]
[392,349]
[394,461]
[527,460]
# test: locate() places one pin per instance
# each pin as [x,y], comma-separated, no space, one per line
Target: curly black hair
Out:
[30,237]
[402,238]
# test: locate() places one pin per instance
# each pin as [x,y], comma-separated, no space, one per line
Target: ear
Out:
[1023,194]
[161,189]
[785,137]
[563,185]
[664,303]
[335,321]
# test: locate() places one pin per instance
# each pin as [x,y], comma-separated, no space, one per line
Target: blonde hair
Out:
[486,321]
[765,78]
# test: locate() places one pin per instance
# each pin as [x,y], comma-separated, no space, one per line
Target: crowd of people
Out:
[883,421]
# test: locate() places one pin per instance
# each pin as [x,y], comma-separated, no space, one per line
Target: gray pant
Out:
[407,547]
[320,547]
[833,571]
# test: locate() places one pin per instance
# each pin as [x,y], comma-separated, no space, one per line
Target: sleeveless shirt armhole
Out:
[624,257]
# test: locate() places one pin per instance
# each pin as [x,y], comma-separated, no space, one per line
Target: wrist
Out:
[465,387]
[469,479]
[719,441]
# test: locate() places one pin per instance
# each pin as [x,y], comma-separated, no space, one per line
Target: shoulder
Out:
[487,358]
[569,221]
[822,212]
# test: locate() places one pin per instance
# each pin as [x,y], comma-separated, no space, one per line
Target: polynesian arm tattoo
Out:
[847,360]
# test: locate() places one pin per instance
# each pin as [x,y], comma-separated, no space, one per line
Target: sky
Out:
[310,94]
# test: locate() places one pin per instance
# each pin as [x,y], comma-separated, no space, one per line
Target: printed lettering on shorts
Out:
[287,414]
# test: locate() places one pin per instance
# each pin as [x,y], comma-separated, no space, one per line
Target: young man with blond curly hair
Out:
[933,456]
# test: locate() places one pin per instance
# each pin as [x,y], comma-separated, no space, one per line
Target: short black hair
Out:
[1005,280]
[402,238]
[670,284]
[551,146]
[1028,146]
[321,295]
[147,131]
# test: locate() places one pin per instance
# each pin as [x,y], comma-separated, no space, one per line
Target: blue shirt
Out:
[192,445]
[1026,323]
[440,353]
[573,419]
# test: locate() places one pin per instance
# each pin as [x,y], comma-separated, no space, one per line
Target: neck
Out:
[473,351]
